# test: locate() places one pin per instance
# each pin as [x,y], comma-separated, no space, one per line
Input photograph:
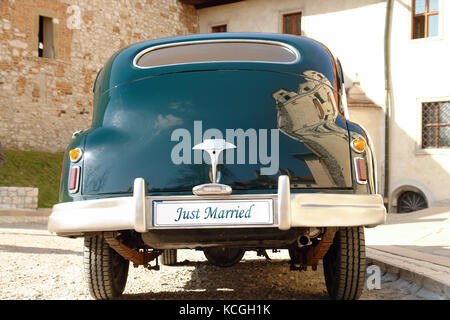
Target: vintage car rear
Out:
[223,143]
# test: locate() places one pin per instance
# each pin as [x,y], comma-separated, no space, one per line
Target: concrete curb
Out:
[427,275]
[41,212]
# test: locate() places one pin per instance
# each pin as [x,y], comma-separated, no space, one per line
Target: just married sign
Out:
[212,212]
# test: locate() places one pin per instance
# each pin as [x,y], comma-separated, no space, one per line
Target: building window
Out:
[45,38]
[221,28]
[425,18]
[292,23]
[436,124]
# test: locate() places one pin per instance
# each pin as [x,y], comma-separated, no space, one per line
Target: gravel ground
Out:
[35,265]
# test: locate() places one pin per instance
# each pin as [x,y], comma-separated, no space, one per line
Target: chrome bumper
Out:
[290,210]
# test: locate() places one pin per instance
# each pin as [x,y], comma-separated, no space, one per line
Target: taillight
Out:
[360,170]
[74,178]
[75,154]
[358,145]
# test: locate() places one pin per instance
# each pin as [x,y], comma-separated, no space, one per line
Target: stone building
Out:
[51,51]
[394,55]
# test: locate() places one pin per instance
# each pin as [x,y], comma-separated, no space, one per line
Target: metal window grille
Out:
[436,124]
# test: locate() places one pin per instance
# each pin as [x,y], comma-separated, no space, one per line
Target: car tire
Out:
[344,264]
[106,271]
[168,257]
[223,256]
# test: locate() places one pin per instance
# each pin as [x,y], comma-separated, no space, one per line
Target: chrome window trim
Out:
[281,44]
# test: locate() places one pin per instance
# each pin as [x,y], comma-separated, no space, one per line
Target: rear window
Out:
[216,51]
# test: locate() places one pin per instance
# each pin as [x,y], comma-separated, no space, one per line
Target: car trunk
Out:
[280,123]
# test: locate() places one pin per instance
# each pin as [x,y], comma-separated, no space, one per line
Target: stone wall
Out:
[18,198]
[42,101]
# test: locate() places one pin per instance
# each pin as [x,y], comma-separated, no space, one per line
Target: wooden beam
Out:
[200,4]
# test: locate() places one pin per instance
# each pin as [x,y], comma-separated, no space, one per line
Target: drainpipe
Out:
[387,86]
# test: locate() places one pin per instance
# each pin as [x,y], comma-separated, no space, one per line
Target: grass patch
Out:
[33,169]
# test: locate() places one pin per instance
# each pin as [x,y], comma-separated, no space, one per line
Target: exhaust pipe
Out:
[303,240]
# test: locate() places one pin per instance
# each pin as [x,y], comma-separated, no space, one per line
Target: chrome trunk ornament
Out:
[214,148]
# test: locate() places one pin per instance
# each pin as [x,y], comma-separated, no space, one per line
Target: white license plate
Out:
[197,213]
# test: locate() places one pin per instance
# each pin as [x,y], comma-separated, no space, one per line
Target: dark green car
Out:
[222,143]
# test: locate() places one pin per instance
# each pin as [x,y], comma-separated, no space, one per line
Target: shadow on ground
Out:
[249,279]
[36,250]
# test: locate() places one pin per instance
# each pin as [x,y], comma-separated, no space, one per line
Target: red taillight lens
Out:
[74,177]
[361,171]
